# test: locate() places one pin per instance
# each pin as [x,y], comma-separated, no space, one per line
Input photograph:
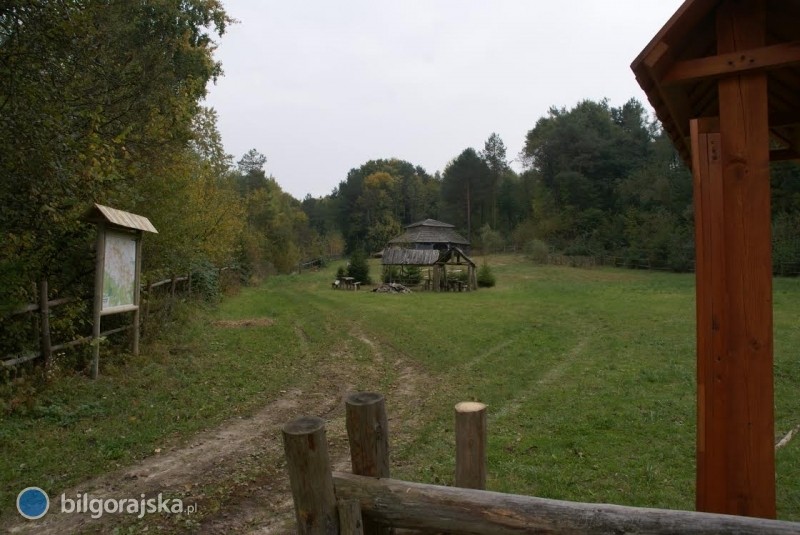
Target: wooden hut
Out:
[436,246]
[724,79]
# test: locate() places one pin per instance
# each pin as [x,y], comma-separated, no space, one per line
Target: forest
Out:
[103,102]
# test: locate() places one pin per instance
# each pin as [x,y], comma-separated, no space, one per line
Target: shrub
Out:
[486,278]
[341,271]
[390,274]
[359,268]
[412,275]
[537,251]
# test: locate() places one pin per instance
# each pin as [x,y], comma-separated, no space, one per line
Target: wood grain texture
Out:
[735,443]
[368,435]
[468,511]
[307,462]
[471,452]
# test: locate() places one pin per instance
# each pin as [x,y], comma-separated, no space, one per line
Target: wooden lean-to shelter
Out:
[433,245]
[724,79]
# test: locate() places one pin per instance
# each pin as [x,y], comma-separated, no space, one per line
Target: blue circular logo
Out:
[33,503]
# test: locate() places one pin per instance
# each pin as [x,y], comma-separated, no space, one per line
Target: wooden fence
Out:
[368,501]
[43,331]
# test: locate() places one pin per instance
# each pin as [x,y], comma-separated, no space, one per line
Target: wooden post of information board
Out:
[100,253]
[137,297]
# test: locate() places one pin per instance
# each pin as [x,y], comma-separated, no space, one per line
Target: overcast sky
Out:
[321,87]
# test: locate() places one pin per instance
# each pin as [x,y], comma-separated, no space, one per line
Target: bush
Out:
[390,273]
[537,251]
[412,275]
[341,271]
[359,268]
[486,278]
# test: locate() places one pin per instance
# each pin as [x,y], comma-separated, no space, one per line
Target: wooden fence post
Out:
[350,522]
[368,434]
[44,339]
[310,476]
[471,445]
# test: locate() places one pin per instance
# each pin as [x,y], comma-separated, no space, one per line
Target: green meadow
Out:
[588,375]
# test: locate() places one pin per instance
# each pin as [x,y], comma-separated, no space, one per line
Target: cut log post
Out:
[350,522]
[307,462]
[471,458]
[368,434]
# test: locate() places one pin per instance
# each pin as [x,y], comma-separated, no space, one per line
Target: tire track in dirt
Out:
[237,470]
[550,376]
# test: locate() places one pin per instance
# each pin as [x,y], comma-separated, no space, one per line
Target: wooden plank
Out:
[471,451]
[307,462]
[734,63]
[736,470]
[470,511]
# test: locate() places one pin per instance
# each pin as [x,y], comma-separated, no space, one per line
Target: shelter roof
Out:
[680,67]
[458,254]
[430,231]
[119,218]
[398,256]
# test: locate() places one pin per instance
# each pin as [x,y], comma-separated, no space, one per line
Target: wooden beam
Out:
[733,63]
[736,455]
[468,511]
[784,155]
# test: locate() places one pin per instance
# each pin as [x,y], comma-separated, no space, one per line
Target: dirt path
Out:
[235,473]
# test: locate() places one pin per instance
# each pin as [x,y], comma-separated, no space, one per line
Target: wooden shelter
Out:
[434,245]
[437,262]
[724,79]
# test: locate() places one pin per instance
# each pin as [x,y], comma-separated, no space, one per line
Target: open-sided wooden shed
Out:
[724,79]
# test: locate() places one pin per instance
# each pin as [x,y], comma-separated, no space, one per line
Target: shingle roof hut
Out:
[430,234]
[434,245]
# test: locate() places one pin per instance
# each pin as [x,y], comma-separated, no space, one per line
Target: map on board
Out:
[119,271]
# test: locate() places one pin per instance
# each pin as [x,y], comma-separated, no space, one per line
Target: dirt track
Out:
[235,473]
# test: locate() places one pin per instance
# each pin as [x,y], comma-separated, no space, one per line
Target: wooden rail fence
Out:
[369,502]
[44,307]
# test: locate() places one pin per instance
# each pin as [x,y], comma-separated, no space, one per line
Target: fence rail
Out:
[378,503]
[46,348]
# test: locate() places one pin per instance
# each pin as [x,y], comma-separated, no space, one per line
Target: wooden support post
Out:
[44,338]
[100,254]
[368,434]
[137,296]
[735,446]
[735,431]
[310,477]
[471,457]
[350,522]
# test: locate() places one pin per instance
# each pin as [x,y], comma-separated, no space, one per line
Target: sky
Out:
[322,87]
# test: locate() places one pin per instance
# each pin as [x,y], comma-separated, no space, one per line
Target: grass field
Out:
[588,375]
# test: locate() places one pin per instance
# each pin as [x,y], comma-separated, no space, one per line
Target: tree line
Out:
[102,102]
